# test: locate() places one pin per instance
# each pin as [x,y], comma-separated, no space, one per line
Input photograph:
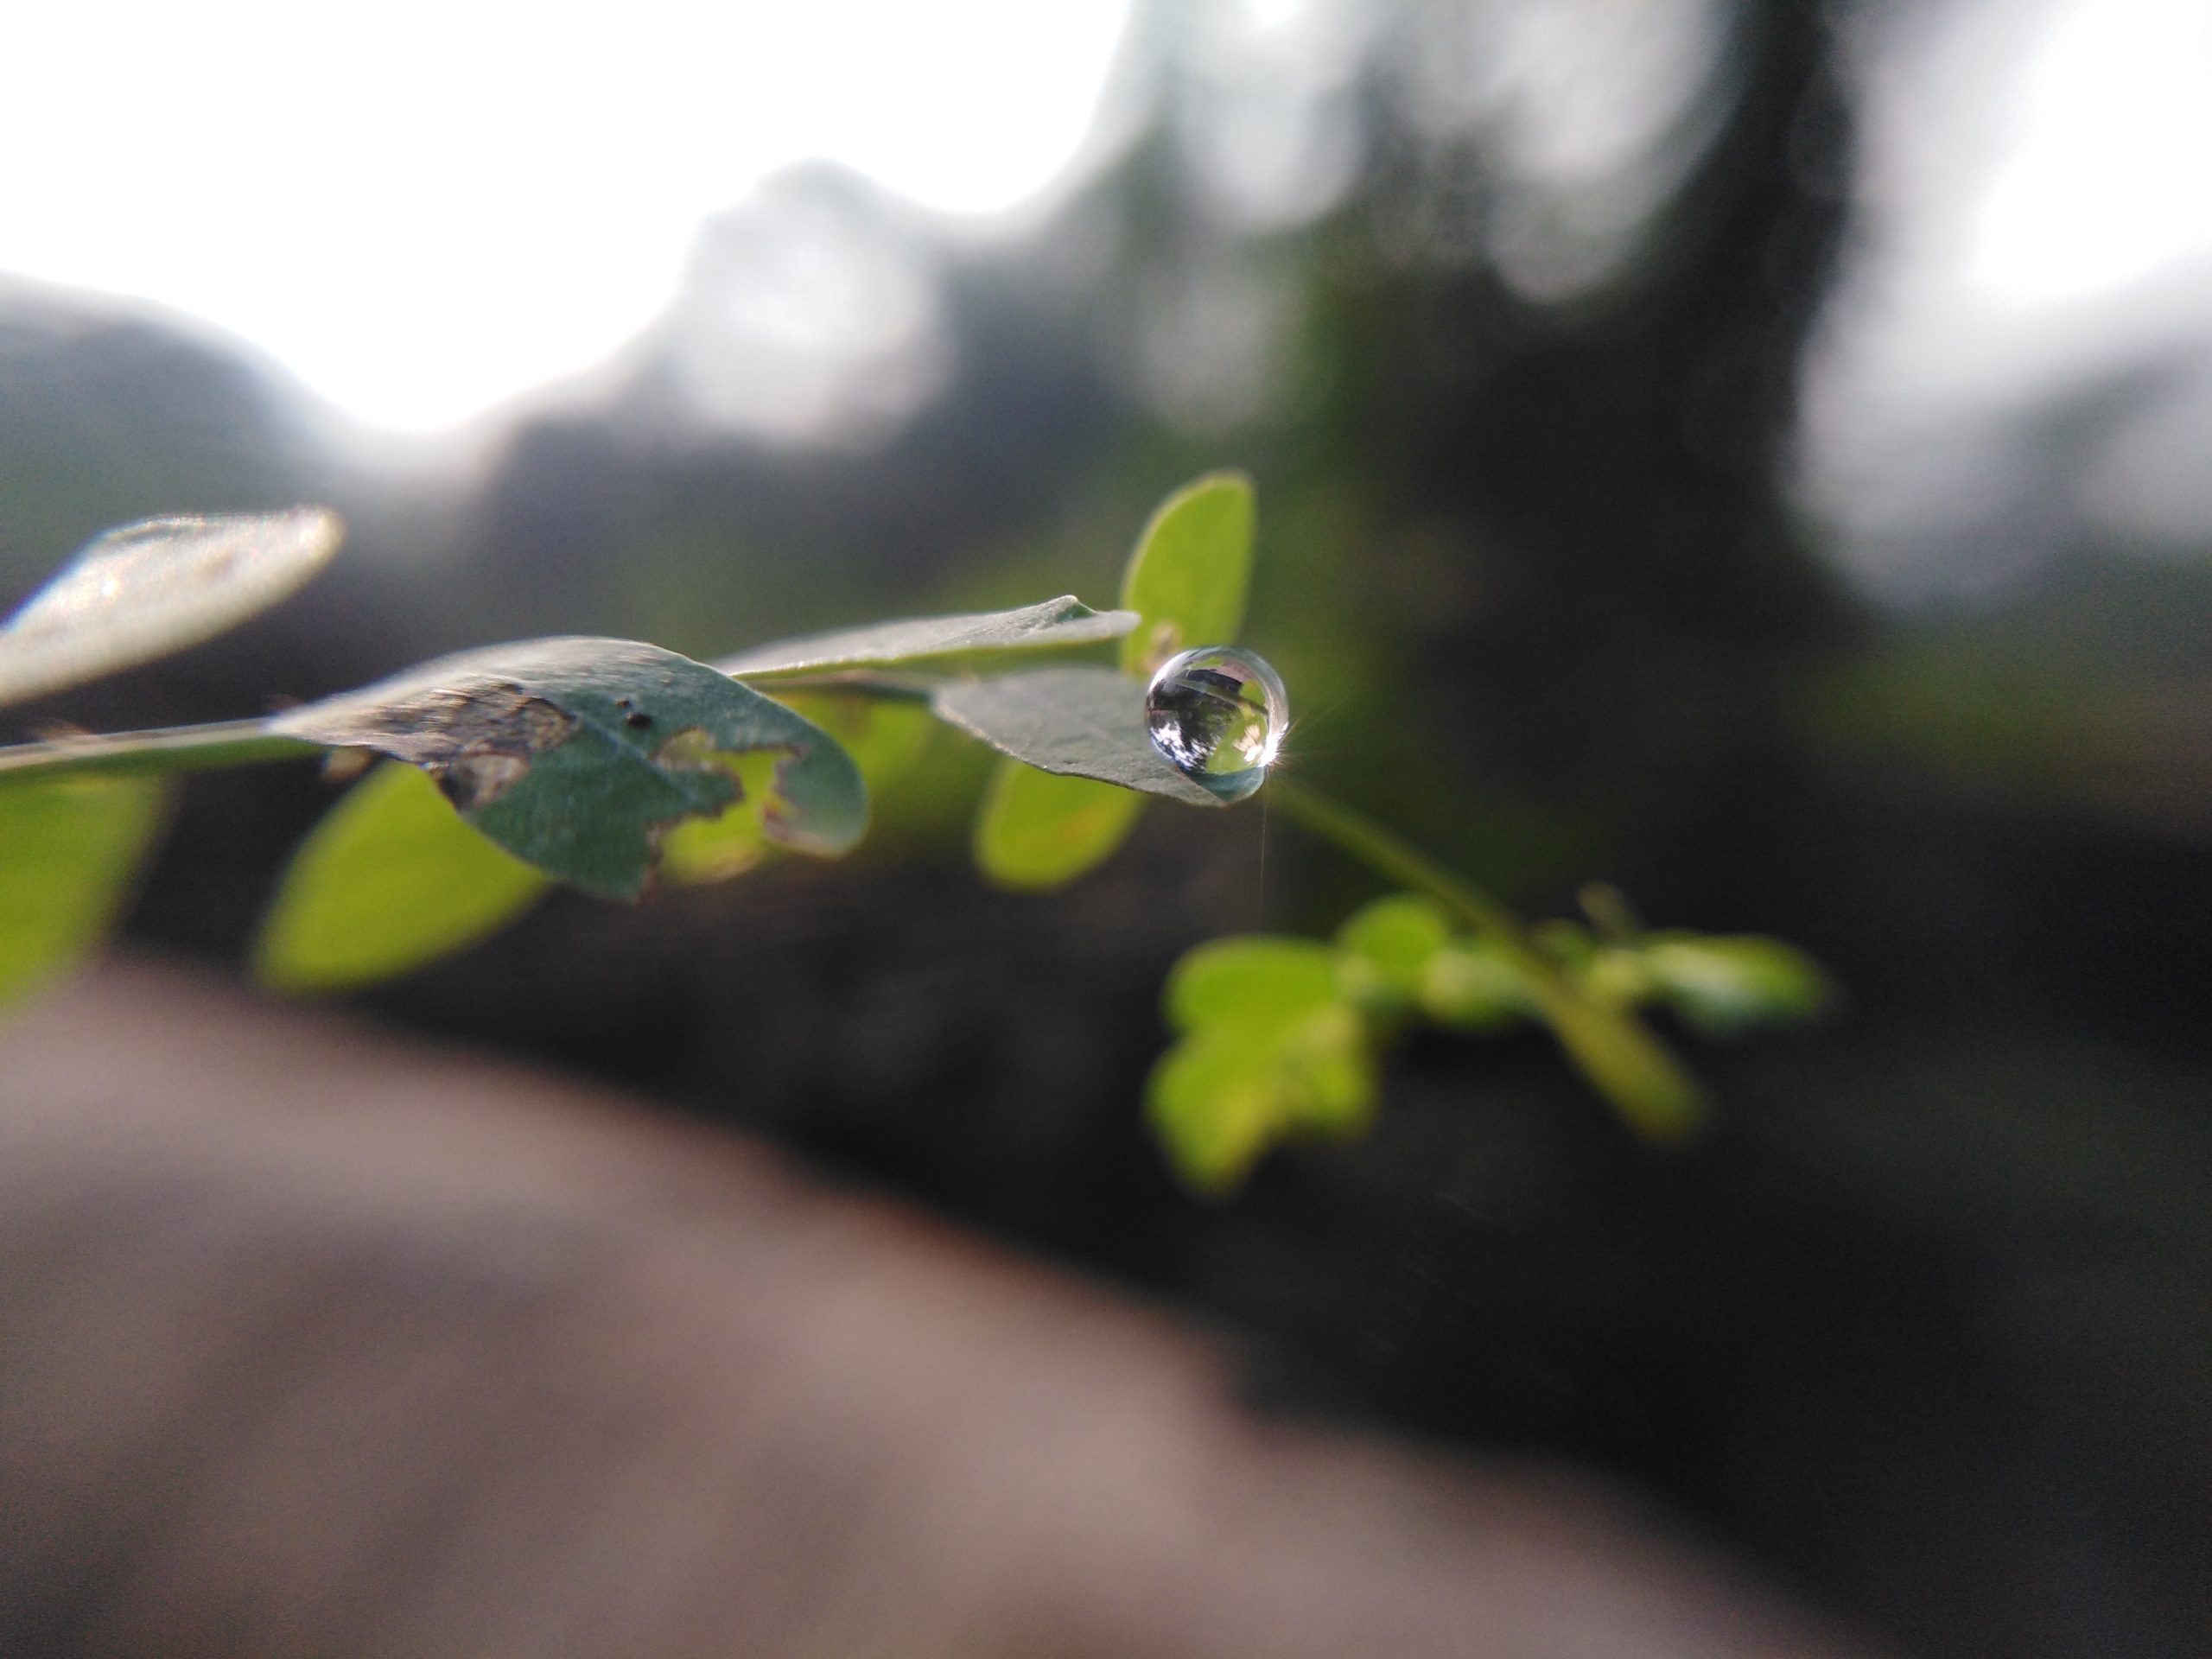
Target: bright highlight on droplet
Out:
[1218,713]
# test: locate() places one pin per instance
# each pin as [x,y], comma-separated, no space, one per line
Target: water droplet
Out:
[1218,714]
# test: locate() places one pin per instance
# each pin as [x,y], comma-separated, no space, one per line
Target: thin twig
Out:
[176,748]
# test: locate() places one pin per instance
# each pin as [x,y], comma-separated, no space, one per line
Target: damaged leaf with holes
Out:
[577,754]
[885,738]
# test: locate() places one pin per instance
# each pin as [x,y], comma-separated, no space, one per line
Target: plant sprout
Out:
[607,765]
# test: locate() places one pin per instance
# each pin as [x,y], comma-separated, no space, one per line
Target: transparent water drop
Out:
[1218,714]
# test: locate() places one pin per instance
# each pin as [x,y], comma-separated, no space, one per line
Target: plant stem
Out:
[893,687]
[1396,860]
[174,748]
[1622,1059]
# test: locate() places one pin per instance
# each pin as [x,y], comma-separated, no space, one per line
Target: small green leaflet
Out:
[149,589]
[1254,980]
[1046,822]
[71,846]
[1214,1111]
[1085,722]
[1727,983]
[1063,621]
[1041,829]
[1386,947]
[575,753]
[390,878]
[1188,577]
[1476,985]
[1399,957]
[1397,954]
[1269,1047]
[1277,1037]
[1219,1099]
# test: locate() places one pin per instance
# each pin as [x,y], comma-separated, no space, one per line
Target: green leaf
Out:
[1258,983]
[1614,976]
[1063,621]
[149,589]
[1213,1109]
[1475,985]
[1041,829]
[1187,579]
[1627,1066]
[1269,1048]
[1725,984]
[68,849]
[575,755]
[1227,1091]
[1386,947]
[1088,722]
[885,739]
[1331,1087]
[390,879]
[1568,943]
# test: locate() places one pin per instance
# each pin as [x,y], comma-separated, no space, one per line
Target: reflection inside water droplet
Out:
[1218,714]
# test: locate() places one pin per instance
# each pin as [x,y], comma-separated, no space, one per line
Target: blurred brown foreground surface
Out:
[317,1341]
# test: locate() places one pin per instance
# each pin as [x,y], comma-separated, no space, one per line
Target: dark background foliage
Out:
[1921,1326]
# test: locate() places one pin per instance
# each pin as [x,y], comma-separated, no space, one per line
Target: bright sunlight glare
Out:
[2104,183]
[2035,173]
[425,208]
[2033,226]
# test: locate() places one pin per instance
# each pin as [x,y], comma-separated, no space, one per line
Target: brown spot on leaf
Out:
[543,725]
[476,745]
[470,781]
[435,727]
